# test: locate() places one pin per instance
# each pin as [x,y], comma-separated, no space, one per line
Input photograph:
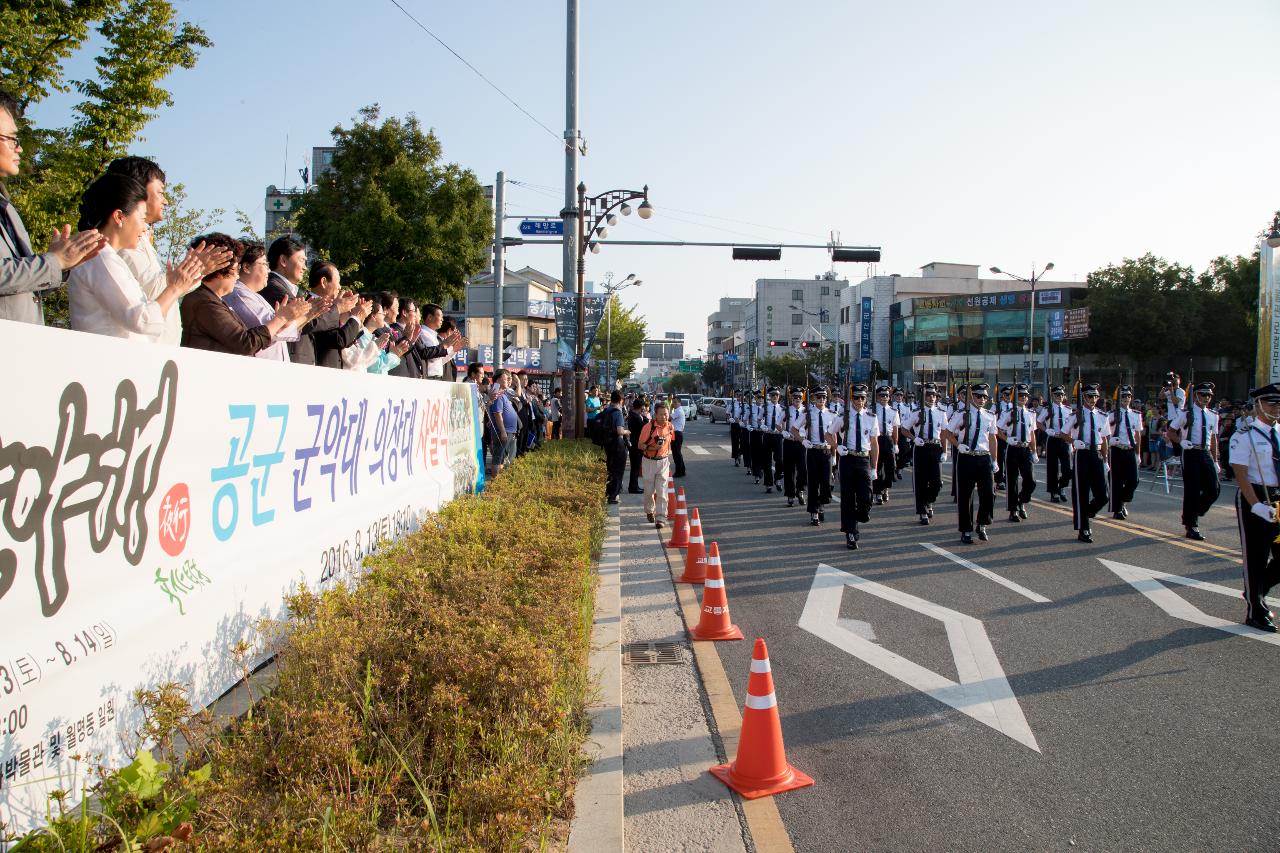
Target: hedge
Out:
[437,704]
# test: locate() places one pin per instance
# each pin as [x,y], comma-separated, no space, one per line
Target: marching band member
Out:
[1018,435]
[1255,461]
[972,431]
[793,450]
[853,438]
[1089,438]
[1196,429]
[1126,430]
[926,426]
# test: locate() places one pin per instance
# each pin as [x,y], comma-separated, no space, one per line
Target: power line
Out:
[478,73]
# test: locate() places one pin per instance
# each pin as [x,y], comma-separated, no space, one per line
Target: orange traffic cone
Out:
[671,499]
[714,624]
[695,559]
[760,768]
[680,531]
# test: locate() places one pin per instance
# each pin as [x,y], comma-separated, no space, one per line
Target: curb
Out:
[597,823]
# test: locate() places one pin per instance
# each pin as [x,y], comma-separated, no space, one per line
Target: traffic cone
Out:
[714,623]
[760,768]
[671,498]
[695,559]
[680,530]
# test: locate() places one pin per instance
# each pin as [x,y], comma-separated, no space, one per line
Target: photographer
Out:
[655,442]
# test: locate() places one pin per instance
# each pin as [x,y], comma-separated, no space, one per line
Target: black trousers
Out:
[926,475]
[974,472]
[677,455]
[855,492]
[1089,493]
[1260,551]
[1200,486]
[1057,464]
[1020,477]
[1002,447]
[744,444]
[793,468]
[818,477]
[758,461]
[905,456]
[555,429]
[636,461]
[735,442]
[615,456]
[771,457]
[884,465]
[1124,476]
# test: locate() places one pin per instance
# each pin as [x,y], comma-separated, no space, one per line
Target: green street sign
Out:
[692,365]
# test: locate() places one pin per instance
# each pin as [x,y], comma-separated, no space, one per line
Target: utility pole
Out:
[499,264]
[569,214]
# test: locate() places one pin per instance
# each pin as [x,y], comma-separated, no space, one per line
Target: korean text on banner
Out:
[156,502]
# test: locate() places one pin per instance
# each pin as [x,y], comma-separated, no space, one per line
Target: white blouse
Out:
[106,299]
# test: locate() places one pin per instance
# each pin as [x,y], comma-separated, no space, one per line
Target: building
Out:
[721,324]
[662,355]
[526,308]
[790,310]
[280,202]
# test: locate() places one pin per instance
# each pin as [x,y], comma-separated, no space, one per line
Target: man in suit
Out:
[287,259]
[322,340]
[24,275]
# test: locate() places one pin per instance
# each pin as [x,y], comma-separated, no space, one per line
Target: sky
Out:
[993,133]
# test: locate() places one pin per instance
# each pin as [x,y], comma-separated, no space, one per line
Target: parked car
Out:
[690,410]
[717,408]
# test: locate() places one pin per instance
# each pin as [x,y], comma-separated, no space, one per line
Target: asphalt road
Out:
[1046,704]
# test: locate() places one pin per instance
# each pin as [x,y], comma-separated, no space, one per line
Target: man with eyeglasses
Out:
[1057,420]
[1126,433]
[926,426]
[1018,435]
[972,431]
[1195,428]
[853,438]
[887,438]
[793,450]
[24,275]
[905,410]
[1003,406]
[1089,438]
[812,431]
[1255,462]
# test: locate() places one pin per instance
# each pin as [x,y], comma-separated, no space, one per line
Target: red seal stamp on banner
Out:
[175,519]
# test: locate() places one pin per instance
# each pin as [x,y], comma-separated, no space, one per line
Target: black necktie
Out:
[1204,429]
[1022,425]
[857,430]
[1275,453]
[977,424]
[928,425]
[1089,414]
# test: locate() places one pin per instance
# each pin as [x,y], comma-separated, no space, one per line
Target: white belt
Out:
[1019,443]
[1125,446]
[929,442]
[977,453]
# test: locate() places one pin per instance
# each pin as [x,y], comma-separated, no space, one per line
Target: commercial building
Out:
[526,307]
[722,323]
[791,310]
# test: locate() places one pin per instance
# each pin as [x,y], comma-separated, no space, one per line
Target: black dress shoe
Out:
[822,516]
[1053,497]
[851,542]
[929,509]
[1013,516]
[791,501]
[1118,516]
[982,532]
[966,538]
[814,520]
[879,500]
[1124,512]
[613,500]
[757,481]
[635,491]
[1022,511]
[1194,533]
[924,519]
[1262,623]
[886,497]
[1085,536]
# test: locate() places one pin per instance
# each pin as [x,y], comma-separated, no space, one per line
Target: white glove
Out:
[963,448]
[1078,444]
[733,420]
[1035,457]
[1266,512]
[919,442]
[808,445]
[842,450]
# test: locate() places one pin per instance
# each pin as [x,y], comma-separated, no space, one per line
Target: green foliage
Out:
[144,43]
[181,224]
[391,214]
[681,383]
[712,373]
[796,368]
[622,339]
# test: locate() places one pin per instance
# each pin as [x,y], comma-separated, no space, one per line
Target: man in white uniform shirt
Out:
[1126,433]
[926,426]
[772,417]
[887,440]
[1089,439]
[853,438]
[1018,435]
[1255,462]
[1057,423]
[793,450]
[678,416]
[1195,429]
[972,431]
[811,430]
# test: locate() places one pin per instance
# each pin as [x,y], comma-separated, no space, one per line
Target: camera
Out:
[660,440]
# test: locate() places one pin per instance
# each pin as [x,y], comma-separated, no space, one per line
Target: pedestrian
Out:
[1003,406]
[854,439]
[1057,422]
[1089,440]
[1018,436]
[903,404]
[636,419]
[793,451]
[505,421]
[1255,461]
[1195,430]
[613,425]
[1227,428]
[812,430]
[735,429]
[144,262]
[755,435]
[247,302]
[972,431]
[926,426]
[677,445]
[655,446]
[1126,431]
[557,412]
[771,423]
[887,441]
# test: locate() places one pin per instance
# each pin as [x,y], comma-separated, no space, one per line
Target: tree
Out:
[622,340]
[1143,302]
[712,373]
[390,213]
[143,44]
[681,383]
[248,228]
[180,225]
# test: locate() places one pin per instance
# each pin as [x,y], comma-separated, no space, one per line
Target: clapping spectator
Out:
[330,331]
[505,421]
[245,299]
[374,350]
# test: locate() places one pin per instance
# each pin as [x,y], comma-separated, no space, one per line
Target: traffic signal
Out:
[508,344]
[868,256]
[779,343]
[742,253]
[808,345]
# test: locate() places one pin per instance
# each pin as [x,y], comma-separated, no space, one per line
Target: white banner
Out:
[155,503]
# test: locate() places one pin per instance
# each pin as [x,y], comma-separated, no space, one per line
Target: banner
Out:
[1267,366]
[566,306]
[156,502]
[864,340]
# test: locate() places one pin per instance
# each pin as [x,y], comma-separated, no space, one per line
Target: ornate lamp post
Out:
[1029,346]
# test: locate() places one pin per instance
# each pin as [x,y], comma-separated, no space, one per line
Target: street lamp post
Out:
[822,316]
[593,214]
[611,288]
[1029,346]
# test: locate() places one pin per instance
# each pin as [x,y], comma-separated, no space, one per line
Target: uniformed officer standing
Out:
[756,437]
[793,451]
[887,439]
[1196,428]
[1126,430]
[744,424]
[926,426]
[1089,438]
[812,429]
[771,420]
[1057,421]
[735,430]
[956,406]
[973,433]
[853,438]
[1018,435]
[1255,461]
[904,410]
[1003,406]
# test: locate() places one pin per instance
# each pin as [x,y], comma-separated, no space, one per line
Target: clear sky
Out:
[993,133]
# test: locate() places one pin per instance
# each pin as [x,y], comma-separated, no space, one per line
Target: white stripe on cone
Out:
[761,703]
[713,584]
[697,539]
[758,665]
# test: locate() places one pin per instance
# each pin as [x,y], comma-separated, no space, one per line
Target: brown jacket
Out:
[207,323]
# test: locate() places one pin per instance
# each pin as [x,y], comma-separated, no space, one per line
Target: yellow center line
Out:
[1151,533]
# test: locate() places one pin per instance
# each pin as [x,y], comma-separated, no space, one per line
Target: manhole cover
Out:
[638,653]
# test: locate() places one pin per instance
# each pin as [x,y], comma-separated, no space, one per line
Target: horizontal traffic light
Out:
[743,253]
[808,345]
[866,256]
[779,343]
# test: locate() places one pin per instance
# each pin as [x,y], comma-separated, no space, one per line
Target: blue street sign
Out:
[542,227]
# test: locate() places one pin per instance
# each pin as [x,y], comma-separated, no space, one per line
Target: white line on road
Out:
[726,447]
[988,574]
[699,450]
[983,692]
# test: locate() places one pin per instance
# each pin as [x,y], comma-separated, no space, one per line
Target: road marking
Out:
[1152,585]
[983,692]
[699,450]
[988,574]
[727,447]
[1151,533]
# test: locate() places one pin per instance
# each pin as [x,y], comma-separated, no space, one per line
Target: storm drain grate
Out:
[642,653]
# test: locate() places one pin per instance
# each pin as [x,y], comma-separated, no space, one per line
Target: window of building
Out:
[797,296]
[825,291]
[797,319]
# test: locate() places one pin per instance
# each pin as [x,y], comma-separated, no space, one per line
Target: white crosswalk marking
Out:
[699,450]
[726,447]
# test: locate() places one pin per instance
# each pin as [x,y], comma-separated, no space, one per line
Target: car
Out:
[717,408]
[690,410]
